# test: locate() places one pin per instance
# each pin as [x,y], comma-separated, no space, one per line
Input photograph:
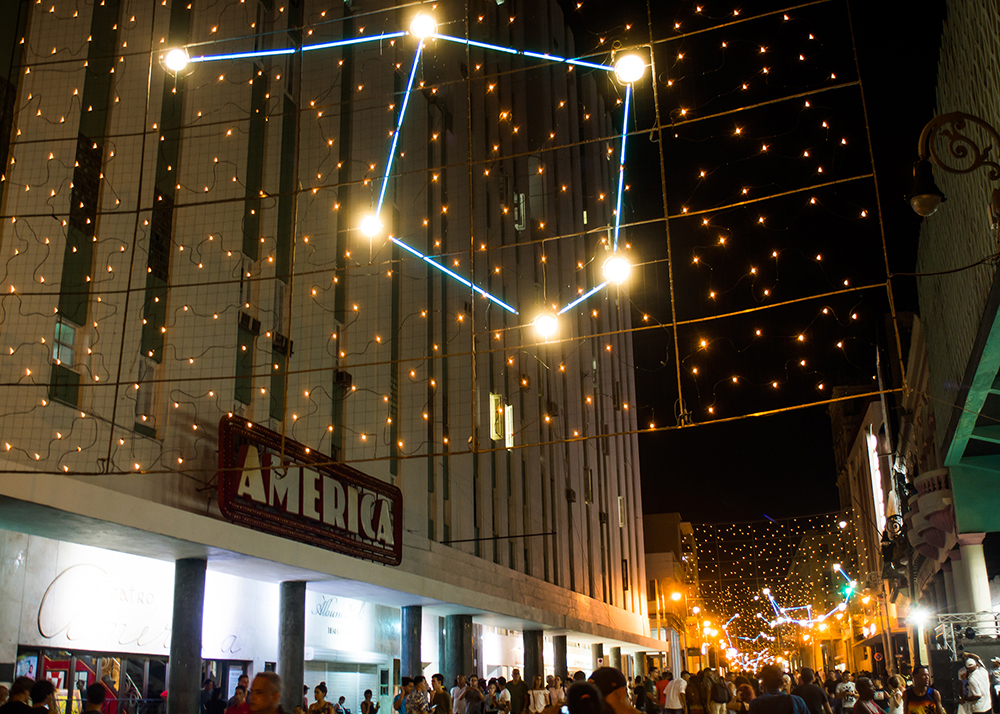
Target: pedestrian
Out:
[237,702]
[475,701]
[716,691]
[643,701]
[557,695]
[321,705]
[978,698]
[215,704]
[399,701]
[43,696]
[518,690]
[813,695]
[614,688]
[492,704]
[243,681]
[458,695]
[741,702]
[367,705]
[265,694]
[538,696]
[919,698]
[17,699]
[206,693]
[847,694]
[894,701]
[341,706]
[695,695]
[440,699]
[773,700]
[865,703]
[672,699]
[503,695]
[418,702]
[584,698]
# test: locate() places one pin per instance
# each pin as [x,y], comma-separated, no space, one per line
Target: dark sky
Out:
[780,465]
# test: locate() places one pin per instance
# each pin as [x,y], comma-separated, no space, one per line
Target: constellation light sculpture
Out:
[628,69]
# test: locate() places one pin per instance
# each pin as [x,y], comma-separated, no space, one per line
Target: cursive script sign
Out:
[282,487]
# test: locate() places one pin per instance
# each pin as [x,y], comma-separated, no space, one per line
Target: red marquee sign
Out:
[282,487]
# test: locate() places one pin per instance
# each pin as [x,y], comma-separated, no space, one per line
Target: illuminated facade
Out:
[183,246]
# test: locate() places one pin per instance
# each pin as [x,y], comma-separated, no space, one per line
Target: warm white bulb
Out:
[176,59]
[616,269]
[546,325]
[371,226]
[630,68]
[423,26]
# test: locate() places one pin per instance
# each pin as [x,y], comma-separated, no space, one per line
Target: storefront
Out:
[106,616]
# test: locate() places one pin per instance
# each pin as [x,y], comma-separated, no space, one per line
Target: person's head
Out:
[744,693]
[96,694]
[460,681]
[217,693]
[685,675]
[341,700]
[583,698]
[771,678]
[866,690]
[501,682]
[437,681]
[240,693]
[43,693]
[208,685]
[537,682]
[786,682]
[243,681]
[492,686]
[20,690]
[920,677]
[970,665]
[265,692]
[611,683]
[299,710]
[668,675]
[474,681]
[406,684]
[579,676]
[320,692]
[368,695]
[515,675]
[730,677]
[807,675]
[848,677]
[420,683]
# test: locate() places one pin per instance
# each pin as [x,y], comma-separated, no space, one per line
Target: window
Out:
[588,486]
[63,344]
[621,512]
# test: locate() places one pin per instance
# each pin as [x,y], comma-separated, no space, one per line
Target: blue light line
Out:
[395,134]
[524,53]
[305,48]
[621,165]
[446,271]
[584,297]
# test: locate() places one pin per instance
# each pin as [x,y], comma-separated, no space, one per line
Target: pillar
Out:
[597,655]
[560,666]
[458,647]
[962,602]
[534,655]
[410,664]
[292,642]
[940,599]
[615,660]
[949,585]
[640,665]
[974,565]
[184,678]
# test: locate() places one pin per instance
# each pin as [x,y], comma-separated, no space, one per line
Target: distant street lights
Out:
[964,155]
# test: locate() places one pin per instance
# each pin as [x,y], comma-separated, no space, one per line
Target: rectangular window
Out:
[621,512]
[244,365]
[588,486]
[63,345]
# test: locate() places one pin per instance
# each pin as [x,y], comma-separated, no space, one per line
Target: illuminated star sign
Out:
[628,69]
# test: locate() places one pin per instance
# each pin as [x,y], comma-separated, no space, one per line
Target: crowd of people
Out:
[606,691]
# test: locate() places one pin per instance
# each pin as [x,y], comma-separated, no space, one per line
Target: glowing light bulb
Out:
[616,269]
[371,226]
[176,59]
[630,68]
[546,325]
[423,26]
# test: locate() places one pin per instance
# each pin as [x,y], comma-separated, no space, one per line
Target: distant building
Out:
[672,588]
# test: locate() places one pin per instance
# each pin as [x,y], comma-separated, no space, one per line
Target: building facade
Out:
[183,250]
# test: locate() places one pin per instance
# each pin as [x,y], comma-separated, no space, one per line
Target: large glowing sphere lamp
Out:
[546,325]
[423,26]
[371,226]
[176,59]
[616,269]
[630,68]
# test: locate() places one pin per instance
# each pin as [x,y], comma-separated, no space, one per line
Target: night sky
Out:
[758,142]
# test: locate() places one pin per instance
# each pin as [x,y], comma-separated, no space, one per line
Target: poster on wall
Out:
[26,666]
[273,484]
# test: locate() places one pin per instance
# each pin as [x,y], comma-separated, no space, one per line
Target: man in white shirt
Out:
[978,698]
[674,701]
[847,693]
[458,696]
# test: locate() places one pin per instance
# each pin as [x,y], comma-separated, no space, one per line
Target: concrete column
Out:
[292,642]
[616,658]
[939,595]
[974,565]
[184,678]
[949,585]
[640,664]
[534,655]
[409,652]
[458,647]
[597,653]
[560,665]
[961,580]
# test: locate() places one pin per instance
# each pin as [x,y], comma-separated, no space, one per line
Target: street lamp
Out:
[925,197]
